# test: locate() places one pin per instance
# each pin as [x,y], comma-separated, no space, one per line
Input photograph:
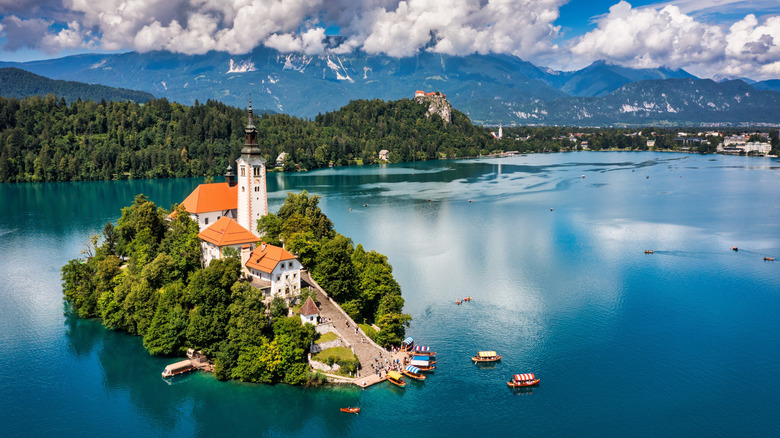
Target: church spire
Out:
[250,139]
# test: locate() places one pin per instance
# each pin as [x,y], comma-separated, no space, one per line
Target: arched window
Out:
[243,189]
[243,171]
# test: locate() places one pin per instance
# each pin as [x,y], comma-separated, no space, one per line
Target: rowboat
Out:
[395,378]
[420,350]
[735,248]
[521,380]
[351,410]
[486,356]
[648,251]
[769,259]
[413,372]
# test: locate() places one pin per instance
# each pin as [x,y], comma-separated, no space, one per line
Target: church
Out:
[227,215]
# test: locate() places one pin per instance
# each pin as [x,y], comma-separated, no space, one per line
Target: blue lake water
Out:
[683,342]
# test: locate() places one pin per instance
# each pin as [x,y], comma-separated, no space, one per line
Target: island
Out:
[266,297]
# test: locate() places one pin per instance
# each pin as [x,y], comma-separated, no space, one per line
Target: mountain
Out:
[655,102]
[772,84]
[490,89]
[601,78]
[20,83]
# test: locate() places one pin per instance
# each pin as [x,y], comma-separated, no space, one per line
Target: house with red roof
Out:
[273,268]
[225,233]
[309,312]
[210,202]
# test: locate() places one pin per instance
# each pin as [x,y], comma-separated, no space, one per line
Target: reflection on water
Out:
[567,294]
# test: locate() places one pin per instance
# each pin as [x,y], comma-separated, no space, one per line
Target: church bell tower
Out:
[252,198]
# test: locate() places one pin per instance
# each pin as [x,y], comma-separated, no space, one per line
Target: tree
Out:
[334,269]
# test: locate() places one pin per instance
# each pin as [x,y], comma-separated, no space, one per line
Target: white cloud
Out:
[650,38]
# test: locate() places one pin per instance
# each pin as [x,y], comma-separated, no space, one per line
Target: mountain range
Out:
[491,89]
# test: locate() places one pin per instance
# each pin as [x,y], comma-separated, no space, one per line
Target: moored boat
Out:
[413,372]
[178,368]
[407,344]
[421,350]
[422,363]
[522,380]
[351,410]
[486,356]
[395,378]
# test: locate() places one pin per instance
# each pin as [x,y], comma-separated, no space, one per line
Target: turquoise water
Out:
[683,342]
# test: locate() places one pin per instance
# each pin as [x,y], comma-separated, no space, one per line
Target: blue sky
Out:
[706,37]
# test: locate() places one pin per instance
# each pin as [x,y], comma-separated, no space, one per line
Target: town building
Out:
[273,268]
[384,155]
[309,312]
[280,159]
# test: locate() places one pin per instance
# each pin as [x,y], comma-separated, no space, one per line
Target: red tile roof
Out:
[265,257]
[309,308]
[226,231]
[211,197]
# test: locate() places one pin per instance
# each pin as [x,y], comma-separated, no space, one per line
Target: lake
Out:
[681,342]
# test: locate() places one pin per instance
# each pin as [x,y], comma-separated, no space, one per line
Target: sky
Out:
[708,38]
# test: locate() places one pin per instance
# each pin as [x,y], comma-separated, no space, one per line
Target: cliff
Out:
[437,104]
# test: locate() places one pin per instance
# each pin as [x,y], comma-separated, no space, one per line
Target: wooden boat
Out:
[407,344]
[413,372]
[648,251]
[486,356]
[422,364]
[420,350]
[428,359]
[522,380]
[769,259]
[395,378]
[178,368]
[735,248]
[351,410]
[457,302]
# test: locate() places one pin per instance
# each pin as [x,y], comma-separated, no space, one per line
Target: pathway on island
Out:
[365,349]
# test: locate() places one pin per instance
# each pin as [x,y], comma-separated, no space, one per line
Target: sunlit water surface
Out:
[683,342]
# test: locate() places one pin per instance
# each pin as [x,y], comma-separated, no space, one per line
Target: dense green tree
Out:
[335,271]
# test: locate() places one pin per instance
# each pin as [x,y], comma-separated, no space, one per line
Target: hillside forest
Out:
[47,139]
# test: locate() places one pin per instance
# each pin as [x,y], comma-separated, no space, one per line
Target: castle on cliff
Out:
[437,104]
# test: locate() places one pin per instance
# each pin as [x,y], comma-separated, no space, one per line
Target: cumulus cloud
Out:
[648,37]
[392,27]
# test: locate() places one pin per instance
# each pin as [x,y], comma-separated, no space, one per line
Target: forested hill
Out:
[20,83]
[46,139]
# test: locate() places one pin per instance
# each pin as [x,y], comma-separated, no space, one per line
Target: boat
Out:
[351,410]
[178,368]
[769,259]
[457,302]
[420,350]
[522,380]
[407,344]
[648,251]
[735,248]
[428,359]
[395,378]
[486,356]
[422,363]
[413,372]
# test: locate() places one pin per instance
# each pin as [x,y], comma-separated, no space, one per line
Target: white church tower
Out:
[252,199]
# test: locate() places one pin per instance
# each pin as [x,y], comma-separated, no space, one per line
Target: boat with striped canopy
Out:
[407,344]
[413,372]
[521,380]
[486,356]
[421,350]
[395,378]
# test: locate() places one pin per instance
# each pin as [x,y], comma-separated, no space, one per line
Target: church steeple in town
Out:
[250,138]
[252,197]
